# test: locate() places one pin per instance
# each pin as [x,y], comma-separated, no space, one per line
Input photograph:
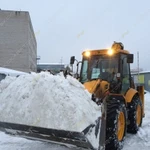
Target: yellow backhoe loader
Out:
[105,73]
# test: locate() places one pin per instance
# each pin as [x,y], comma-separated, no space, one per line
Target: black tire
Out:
[114,108]
[133,126]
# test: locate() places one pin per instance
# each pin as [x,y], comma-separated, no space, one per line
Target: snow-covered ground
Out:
[8,142]
[140,141]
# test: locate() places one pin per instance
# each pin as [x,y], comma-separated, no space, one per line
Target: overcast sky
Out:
[67,27]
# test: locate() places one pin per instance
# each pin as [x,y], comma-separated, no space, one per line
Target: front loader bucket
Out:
[63,137]
[47,135]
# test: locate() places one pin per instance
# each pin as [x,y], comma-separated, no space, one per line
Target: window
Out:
[99,66]
[95,73]
[125,74]
[84,73]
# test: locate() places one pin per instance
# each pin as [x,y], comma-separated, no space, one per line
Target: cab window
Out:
[125,74]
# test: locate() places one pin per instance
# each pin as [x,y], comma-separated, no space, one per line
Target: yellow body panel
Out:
[138,115]
[131,92]
[97,87]
[141,94]
[129,95]
[91,85]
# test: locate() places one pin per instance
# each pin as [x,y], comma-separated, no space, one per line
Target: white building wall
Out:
[18,46]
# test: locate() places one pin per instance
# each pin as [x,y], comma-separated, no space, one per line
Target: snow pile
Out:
[47,101]
[5,83]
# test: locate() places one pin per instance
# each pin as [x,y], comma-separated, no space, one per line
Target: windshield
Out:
[102,67]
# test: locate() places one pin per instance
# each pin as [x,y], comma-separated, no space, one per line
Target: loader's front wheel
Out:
[115,124]
[134,115]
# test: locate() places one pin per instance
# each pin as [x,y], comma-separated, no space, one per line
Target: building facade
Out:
[18,47]
[142,78]
[54,68]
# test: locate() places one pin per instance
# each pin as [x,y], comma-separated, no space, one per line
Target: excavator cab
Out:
[111,65]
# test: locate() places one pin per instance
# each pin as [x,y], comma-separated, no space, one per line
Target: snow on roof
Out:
[11,72]
[144,72]
[51,64]
[48,101]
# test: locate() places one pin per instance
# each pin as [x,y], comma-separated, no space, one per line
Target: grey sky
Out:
[65,27]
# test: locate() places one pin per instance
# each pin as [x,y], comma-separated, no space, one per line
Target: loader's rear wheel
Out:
[134,115]
[115,124]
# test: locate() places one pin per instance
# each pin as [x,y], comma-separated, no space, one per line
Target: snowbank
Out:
[11,72]
[47,101]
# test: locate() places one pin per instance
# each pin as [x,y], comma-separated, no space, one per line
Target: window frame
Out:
[122,57]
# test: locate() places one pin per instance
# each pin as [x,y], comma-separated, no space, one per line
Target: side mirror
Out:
[72,59]
[130,58]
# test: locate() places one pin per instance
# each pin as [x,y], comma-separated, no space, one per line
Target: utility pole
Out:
[138,65]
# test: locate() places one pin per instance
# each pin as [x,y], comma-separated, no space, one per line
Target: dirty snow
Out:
[48,101]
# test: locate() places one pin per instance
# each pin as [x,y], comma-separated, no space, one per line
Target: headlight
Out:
[87,54]
[110,52]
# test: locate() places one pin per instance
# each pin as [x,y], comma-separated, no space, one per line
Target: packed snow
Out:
[140,141]
[48,101]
